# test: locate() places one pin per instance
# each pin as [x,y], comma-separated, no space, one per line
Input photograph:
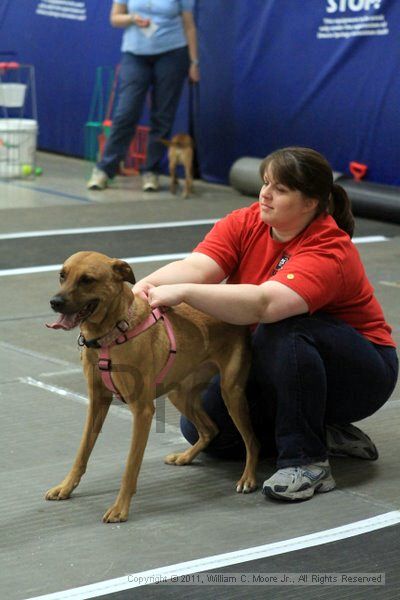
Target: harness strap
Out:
[172,350]
[109,338]
[105,368]
[105,363]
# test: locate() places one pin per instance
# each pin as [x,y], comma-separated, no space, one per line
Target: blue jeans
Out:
[165,75]
[307,372]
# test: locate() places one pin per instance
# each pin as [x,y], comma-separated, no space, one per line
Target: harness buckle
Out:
[122,326]
[122,339]
[104,364]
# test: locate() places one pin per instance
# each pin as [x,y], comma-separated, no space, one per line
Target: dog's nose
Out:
[57,303]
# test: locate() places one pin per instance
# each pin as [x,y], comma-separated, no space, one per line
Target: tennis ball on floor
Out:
[26,170]
[38,171]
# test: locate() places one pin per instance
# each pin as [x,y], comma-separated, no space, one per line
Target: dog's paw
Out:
[246,484]
[116,514]
[59,492]
[178,459]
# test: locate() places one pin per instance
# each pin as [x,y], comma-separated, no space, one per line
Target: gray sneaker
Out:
[300,483]
[98,180]
[348,440]
[150,182]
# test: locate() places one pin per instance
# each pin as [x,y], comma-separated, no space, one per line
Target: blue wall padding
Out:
[267,80]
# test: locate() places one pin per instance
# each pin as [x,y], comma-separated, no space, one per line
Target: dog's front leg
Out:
[143,411]
[99,403]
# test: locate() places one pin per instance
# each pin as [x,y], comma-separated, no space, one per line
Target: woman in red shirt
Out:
[323,355]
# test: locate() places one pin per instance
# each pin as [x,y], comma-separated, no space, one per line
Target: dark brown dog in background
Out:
[180,152]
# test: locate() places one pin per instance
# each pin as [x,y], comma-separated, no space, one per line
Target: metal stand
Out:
[18,120]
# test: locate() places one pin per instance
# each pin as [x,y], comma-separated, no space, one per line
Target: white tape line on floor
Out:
[105,229]
[222,560]
[153,258]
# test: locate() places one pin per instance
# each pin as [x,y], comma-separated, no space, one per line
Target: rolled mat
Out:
[372,200]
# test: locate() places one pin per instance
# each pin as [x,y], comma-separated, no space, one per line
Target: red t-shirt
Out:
[321,264]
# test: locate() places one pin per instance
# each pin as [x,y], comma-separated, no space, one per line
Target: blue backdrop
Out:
[319,73]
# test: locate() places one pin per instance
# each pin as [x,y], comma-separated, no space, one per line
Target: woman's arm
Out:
[240,304]
[191,36]
[196,268]
[119,17]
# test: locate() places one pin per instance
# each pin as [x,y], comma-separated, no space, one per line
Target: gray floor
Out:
[178,514]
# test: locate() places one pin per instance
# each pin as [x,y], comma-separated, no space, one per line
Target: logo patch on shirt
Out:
[282,262]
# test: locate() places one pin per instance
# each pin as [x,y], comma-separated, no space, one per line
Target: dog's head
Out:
[89,282]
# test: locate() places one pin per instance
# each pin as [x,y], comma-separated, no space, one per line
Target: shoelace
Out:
[290,472]
[293,473]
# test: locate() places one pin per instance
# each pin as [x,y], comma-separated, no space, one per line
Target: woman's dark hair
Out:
[307,171]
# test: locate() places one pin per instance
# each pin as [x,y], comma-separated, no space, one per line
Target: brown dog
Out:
[180,152]
[93,294]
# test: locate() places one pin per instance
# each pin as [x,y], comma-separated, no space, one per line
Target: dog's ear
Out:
[123,270]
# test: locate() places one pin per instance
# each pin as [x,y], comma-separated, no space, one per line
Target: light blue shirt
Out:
[167,15]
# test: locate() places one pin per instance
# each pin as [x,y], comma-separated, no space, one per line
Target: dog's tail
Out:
[165,142]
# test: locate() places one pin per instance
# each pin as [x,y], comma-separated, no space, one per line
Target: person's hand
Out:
[194,73]
[140,21]
[142,288]
[166,295]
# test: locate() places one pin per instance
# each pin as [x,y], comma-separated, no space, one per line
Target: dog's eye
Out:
[85,279]
[62,276]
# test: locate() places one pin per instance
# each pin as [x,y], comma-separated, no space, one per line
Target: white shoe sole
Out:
[97,188]
[326,485]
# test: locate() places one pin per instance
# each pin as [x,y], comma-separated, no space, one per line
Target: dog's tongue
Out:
[64,322]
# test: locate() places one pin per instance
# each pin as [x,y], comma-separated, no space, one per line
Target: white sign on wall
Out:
[355,23]
[62,9]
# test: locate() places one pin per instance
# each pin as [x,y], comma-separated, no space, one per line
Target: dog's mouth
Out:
[70,320]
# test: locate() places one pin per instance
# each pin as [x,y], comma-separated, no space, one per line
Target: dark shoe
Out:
[348,440]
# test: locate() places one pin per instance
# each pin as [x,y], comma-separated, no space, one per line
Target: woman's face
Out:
[282,207]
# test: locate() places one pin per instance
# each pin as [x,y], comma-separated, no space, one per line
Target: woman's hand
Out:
[140,21]
[194,73]
[166,295]
[142,288]
[120,17]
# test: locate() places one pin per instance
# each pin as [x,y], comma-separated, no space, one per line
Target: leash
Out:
[105,364]
[193,129]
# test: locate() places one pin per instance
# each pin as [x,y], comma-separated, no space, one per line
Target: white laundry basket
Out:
[12,95]
[17,146]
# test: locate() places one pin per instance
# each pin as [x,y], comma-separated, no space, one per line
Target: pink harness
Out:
[105,363]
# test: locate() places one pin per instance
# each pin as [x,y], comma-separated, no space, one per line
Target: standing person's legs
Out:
[135,79]
[170,70]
